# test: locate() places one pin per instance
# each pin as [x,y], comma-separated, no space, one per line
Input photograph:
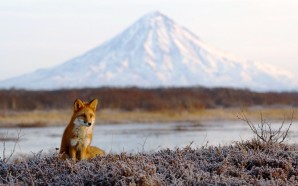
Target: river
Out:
[134,138]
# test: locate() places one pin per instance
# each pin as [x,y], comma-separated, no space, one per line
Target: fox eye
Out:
[91,115]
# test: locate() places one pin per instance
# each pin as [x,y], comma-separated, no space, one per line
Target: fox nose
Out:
[89,124]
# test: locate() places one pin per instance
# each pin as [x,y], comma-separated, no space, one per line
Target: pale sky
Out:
[43,33]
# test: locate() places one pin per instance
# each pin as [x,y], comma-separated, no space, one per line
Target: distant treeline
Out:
[145,99]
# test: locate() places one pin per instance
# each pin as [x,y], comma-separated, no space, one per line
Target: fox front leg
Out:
[83,154]
[73,153]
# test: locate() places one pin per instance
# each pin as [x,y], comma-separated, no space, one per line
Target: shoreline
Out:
[47,118]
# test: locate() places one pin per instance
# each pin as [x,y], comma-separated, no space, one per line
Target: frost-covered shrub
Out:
[243,163]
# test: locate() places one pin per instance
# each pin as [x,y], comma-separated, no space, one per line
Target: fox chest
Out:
[80,138]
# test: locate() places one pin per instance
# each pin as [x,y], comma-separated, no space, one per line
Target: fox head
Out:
[84,113]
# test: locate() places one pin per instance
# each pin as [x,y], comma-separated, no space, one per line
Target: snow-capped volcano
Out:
[156,52]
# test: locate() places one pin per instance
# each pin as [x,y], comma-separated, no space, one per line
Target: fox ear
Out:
[78,104]
[93,104]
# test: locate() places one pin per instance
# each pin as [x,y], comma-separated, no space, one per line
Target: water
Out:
[136,137]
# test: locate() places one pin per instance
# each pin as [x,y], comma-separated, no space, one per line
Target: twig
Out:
[264,130]
[144,143]
[14,147]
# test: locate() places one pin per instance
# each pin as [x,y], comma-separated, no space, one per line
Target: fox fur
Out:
[77,135]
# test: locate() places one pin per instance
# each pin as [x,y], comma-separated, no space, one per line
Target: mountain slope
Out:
[155,52]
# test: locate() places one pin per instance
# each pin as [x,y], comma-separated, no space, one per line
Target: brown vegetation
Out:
[158,99]
[43,118]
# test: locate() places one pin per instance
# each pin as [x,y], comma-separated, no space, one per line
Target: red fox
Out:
[77,135]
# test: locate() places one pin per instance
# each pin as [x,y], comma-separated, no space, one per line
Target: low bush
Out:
[243,163]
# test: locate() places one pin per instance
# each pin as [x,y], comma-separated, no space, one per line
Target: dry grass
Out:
[244,163]
[34,118]
[61,117]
